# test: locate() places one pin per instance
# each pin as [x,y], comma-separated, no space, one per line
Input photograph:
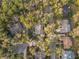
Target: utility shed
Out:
[38,28]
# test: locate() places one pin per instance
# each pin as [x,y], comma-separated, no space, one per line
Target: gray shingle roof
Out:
[19,48]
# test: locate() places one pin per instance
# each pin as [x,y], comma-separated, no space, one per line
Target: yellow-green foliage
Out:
[30,17]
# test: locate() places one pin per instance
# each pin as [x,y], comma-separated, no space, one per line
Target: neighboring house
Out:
[65,27]
[14,26]
[67,42]
[67,54]
[20,49]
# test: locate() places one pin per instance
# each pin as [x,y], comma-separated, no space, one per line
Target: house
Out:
[67,54]
[65,27]
[14,26]
[20,48]
[67,42]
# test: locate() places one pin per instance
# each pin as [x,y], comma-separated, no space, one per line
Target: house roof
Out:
[67,42]
[15,27]
[19,48]
[65,26]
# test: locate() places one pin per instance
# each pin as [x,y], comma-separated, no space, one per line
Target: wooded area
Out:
[39,29]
